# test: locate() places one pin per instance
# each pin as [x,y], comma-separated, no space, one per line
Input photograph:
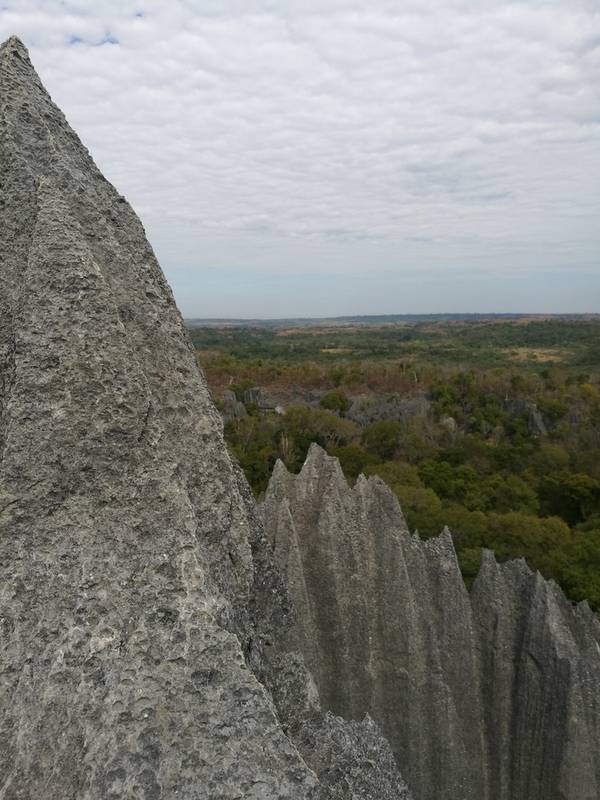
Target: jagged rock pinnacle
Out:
[14,56]
[375,611]
[494,696]
[13,45]
[136,587]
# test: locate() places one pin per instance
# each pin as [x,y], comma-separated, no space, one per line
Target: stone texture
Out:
[258,397]
[232,407]
[383,620]
[141,616]
[540,664]
[494,696]
[535,423]
[367,409]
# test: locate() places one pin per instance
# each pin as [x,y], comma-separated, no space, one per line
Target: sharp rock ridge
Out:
[494,695]
[142,618]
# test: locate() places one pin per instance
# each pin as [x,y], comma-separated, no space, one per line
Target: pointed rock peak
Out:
[372,482]
[518,567]
[441,545]
[488,561]
[376,488]
[320,462]
[585,614]
[16,69]
[13,43]
[315,454]
[279,481]
[280,470]
[322,475]
[373,486]
[13,47]
[515,573]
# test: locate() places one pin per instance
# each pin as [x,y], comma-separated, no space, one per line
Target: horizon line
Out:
[480,314]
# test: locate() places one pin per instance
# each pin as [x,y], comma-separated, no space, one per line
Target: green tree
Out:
[353,459]
[570,495]
[461,484]
[382,438]
[396,474]
[335,400]
[512,493]
[551,409]
[579,567]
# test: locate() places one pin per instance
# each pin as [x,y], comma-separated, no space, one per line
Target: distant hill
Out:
[371,319]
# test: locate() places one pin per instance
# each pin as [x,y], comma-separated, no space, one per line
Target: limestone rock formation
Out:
[540,667]
[141,616]
[365,409]
[232,407]
[494,696]
[520,407]
[258,397]
[384,621]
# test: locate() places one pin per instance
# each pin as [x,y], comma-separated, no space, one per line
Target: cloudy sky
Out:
[321,157]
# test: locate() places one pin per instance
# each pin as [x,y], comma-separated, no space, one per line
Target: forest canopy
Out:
[491,427]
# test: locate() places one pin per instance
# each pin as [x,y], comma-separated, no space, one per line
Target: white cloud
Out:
[336,136]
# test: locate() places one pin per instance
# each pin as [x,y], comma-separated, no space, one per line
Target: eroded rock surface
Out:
[139,605]
[491,696]
[365,410]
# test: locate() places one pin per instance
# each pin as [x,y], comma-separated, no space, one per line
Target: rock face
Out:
[232,407]
[383,619]
[535,422]
[365,410]
[259,398]
[141,617]
[494,696]
[540,666]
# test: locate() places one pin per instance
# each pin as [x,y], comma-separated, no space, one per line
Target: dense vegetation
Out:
[489,427]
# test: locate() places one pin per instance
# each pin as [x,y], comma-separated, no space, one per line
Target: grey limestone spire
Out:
[137,594]
[493,696]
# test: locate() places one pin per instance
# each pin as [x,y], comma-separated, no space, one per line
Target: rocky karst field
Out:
[162,636]
[490,426]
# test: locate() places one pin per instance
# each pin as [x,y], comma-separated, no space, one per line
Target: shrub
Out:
[353,459]
[335,401]
[382,438]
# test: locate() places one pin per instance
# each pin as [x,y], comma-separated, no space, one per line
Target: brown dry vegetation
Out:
[541,355]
